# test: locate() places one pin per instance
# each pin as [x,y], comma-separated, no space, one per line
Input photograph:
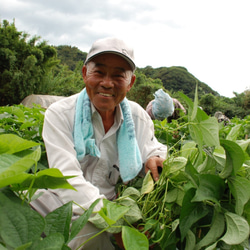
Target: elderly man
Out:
[98,136]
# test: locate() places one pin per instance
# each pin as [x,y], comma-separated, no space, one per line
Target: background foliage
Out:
[31,66]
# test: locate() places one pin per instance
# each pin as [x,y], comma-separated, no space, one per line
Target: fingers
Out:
[154,164]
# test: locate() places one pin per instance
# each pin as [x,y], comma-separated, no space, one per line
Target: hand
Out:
[152,164]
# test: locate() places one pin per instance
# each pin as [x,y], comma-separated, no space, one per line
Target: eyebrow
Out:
[117,68]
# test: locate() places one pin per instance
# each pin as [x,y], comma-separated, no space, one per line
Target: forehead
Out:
[111,60]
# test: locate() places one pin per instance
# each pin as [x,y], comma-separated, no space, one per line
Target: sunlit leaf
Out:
[53,241]
[234,158]
[10,144]
[234,132]
[14,169]
[148,184]
[210,131]
[133,239]
[190,240]
[116,211]
[240,188]
[131,192]
[237,229]
[48,178]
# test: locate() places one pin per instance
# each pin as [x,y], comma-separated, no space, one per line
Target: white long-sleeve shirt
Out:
[95,177]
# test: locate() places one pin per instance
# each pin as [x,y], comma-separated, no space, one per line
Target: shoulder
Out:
[138,113]
[64,105]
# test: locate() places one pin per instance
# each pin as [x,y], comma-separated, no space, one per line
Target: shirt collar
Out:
[118,114]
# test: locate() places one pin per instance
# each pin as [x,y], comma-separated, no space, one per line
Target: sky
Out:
[210,38]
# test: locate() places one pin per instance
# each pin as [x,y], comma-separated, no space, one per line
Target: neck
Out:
[107,119]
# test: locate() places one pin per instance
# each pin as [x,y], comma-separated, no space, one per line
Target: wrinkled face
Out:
[108,78]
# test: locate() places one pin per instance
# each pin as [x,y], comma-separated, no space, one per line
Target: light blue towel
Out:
[128,151]
[163,105]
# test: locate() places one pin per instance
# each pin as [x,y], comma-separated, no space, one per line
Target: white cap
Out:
[114,46]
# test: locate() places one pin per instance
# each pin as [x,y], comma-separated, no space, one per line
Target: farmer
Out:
[164,107]
[98,136]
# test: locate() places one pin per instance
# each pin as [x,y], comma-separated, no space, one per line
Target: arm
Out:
[57,135]
[153,152]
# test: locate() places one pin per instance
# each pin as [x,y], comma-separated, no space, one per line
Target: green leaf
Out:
[10,144]
[212,247]
[234,132]
[190,240]
[100,223]
[188,149]
[23,247]
[192,173]
[148,184]
[58,221]
[191,212]
[237,229]
[133,239]
[134,212]
[194,111]
[215,232]
[79,223]
[131,192]
[115,211]
[244,144]
[247,212]
[211,187]
[210,132]
[53,241]
[172,195]
[206,132]
[238,186]
[234,158]
[175,165]
[196,133]
[15,173]
[48,178]
[19,222]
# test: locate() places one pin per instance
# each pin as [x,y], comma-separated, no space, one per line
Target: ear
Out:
[84,72]
[132,81]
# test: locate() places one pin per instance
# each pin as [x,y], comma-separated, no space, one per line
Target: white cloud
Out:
[210,37]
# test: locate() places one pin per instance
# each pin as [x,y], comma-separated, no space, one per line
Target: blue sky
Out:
[208,37]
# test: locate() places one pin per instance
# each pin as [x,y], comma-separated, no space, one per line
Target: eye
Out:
[99,72]
[118,75]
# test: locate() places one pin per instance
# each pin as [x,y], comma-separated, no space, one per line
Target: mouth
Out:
[105,94]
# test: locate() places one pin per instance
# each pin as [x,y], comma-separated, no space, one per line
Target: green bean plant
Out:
[25,122]
[202,198]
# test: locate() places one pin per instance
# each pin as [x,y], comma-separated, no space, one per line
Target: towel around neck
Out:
[130,162]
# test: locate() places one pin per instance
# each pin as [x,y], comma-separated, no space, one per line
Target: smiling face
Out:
[108,78]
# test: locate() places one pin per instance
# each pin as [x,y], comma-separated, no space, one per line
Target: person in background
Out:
[99,136]
[164,107]
[178,109]
[222,118]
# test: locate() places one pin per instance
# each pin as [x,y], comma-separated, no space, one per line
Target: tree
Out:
[64,82]
[178,79]
[143,89]
[24,64]
[207,103]
[70,56]
[247,100]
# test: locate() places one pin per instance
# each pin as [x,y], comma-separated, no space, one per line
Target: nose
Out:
[107,82]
